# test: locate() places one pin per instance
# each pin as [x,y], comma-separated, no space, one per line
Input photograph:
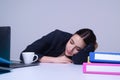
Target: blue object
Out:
[4,61]
[105,58]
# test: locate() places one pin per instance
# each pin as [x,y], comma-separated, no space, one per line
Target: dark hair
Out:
[87,35]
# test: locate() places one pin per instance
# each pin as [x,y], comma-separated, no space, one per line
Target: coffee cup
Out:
[29,57]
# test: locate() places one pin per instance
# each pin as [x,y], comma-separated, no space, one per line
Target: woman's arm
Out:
[40,45]
[60,59]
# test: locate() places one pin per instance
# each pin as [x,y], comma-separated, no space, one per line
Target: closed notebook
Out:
[101,68]
[104,57]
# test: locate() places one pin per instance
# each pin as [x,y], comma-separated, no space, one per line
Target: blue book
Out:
[104,57]
[4,61]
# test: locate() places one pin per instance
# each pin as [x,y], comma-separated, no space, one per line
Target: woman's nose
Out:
[72,48]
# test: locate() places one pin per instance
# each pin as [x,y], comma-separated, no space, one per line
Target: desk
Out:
[52,71]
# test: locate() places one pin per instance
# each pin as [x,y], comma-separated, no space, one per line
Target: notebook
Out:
[6,64]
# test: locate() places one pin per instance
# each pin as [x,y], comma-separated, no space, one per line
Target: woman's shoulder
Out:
[62,35]
[61,32]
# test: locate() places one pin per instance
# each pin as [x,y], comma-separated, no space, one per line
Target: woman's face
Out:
[74,45]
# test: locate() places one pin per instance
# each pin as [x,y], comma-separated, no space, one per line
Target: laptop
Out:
[4,49]
[6,64]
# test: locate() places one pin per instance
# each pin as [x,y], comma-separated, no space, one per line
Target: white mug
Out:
[28,57]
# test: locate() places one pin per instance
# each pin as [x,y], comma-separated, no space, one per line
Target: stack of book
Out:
[103,63]
[4,65]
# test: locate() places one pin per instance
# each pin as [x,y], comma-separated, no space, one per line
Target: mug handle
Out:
[36,58]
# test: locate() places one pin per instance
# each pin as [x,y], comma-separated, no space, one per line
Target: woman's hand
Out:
[60,59]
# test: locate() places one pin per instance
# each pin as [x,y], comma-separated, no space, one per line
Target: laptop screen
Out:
[4,45]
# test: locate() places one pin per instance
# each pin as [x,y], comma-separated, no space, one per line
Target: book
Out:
[4,61]
[4,66]
[104,57]
[101,68]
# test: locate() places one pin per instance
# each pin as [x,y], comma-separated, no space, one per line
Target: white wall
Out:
[30,19]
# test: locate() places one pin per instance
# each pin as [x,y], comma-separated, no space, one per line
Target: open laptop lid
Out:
[4,47]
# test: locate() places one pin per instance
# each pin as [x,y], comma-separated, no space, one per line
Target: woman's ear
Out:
[96,45]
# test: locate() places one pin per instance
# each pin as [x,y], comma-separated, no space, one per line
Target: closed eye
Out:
[71,41]
[78,48]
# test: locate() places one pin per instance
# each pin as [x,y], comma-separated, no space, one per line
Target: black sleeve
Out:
[40,45]
[82,56]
